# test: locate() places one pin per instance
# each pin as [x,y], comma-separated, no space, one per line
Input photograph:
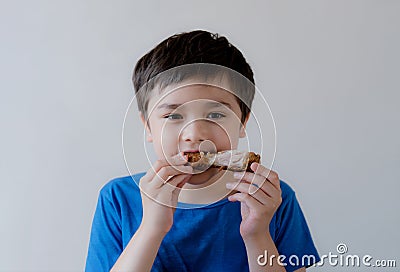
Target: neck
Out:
[206,191]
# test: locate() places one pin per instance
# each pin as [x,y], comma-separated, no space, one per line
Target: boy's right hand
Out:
[160,188]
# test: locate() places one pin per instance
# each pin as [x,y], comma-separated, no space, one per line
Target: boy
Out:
[191,98]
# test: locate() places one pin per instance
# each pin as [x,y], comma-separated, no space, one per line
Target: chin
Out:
[203,177]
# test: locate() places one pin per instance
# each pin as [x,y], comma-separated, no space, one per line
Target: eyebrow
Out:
[168,106]
[209,104]
[218,104]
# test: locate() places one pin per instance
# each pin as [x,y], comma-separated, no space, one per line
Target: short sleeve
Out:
[105,243]
[293,237]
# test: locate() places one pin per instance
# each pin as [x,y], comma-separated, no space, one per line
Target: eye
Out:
[174,116]
[215,115]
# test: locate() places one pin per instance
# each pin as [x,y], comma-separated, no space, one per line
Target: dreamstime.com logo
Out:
[342,259]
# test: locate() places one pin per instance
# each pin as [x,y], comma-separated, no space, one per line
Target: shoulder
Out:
[287,191]
[121,187]
[289,206]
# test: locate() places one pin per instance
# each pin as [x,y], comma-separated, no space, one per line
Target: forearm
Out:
[258,259]
[140,252]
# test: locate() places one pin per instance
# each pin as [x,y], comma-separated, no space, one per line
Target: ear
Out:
[145,123]
[242,132]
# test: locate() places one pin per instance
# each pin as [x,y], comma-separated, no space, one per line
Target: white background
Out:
[329,70]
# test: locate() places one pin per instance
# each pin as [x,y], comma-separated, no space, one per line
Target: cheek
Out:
[166,139]
[226,137]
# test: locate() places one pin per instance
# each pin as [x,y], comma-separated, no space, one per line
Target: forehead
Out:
[190,93]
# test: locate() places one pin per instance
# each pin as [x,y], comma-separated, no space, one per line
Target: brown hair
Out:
[193,47]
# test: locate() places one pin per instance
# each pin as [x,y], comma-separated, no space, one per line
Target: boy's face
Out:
[192,118]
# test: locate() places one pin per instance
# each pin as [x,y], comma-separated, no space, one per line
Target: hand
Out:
[260,196]
[160,188]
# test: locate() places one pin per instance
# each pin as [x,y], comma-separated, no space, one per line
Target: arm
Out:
[144,247]
[256,252]
[260,196]
[160,189]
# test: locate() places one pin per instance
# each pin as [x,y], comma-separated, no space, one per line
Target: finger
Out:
[177,181]
[177,159]
[180,185]
[253,191]
[168,172]
[267,173]
[176,185]
[251,202]
[259,182]
[171,190]
[158,164]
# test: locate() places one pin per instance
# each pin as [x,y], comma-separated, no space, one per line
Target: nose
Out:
[196,131]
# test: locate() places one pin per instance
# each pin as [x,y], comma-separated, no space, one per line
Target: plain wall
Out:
[328,69]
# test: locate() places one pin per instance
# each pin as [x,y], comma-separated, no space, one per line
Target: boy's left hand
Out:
[260,196]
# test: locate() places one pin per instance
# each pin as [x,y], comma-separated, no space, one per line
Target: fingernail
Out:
[237,175]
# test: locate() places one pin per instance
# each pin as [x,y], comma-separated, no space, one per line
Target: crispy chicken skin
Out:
[232,160]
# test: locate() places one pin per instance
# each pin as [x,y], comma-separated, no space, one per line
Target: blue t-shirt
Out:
[204,238]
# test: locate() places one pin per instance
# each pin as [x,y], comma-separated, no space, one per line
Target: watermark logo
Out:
[338,258]
[283,260]
[341,248]
[352,260]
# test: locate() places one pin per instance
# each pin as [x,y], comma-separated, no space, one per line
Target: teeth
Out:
[232,160]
